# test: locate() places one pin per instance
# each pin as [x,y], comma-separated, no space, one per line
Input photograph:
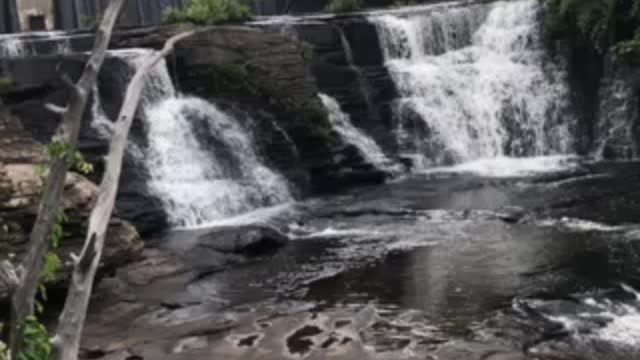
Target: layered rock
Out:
[21,186]
[349,65]
[260,75]
[31,90]
[271,77]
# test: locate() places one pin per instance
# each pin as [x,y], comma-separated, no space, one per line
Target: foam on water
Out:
[622,320]
[580,225]
[506,167]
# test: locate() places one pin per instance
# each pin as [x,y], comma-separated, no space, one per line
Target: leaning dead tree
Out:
[70,326]
[29,271]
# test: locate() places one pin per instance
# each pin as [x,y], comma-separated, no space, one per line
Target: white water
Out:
[23,44]
[12,47]
[195,186]
[474,83]
[506,167]
[622,320]
[581,225]
[100,121]
[341,123]
[202,162]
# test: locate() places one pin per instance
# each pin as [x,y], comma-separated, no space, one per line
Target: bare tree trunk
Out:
[71,324]
[31,267]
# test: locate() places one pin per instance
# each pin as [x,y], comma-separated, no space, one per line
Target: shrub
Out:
[601,24]
[209,12]
[341,6]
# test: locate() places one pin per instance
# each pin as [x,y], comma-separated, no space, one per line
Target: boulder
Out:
[21,186]
[249,240]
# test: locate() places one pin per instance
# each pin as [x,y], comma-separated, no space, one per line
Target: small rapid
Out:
[341,123]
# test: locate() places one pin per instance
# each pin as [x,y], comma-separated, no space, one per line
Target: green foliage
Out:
[209,12]
[52,266]
[89,22]
[5,83]
[63,150]
[37,342]
[52,262]
[603,25]
[234,78]
[4,351]
[342,6]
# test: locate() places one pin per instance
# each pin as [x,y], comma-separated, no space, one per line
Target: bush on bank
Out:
[604,25]
[210,12]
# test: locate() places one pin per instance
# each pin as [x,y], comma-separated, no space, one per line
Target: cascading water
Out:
[35,43]
[202,163]
[474,83]
[12,47]
[360,77]
[350,134]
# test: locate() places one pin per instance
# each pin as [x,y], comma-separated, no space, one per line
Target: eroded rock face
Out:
[21,187]
[263,77]
[26,99]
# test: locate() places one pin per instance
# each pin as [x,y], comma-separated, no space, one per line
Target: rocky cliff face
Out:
[605,91]
[20,190]
[269,80]
[348,64]
[31,90]
[266,75]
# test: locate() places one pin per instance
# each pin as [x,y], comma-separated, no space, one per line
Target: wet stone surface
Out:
[433,266]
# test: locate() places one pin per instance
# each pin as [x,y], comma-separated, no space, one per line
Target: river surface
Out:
[538,254]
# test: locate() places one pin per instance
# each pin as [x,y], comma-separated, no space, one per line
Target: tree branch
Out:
[24,296]
[71,324]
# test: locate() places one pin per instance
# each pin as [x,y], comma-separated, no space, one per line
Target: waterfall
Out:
[12,47]
[360,77]
[341,123]
[197,185]
[202,162]
[100,122]
[474,83]
[35,43]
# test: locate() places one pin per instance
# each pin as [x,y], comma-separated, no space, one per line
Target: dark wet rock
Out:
[299,344]
[246,240]
[260,75]
[31,90]
[512,214]
[20,189]
[348,65]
